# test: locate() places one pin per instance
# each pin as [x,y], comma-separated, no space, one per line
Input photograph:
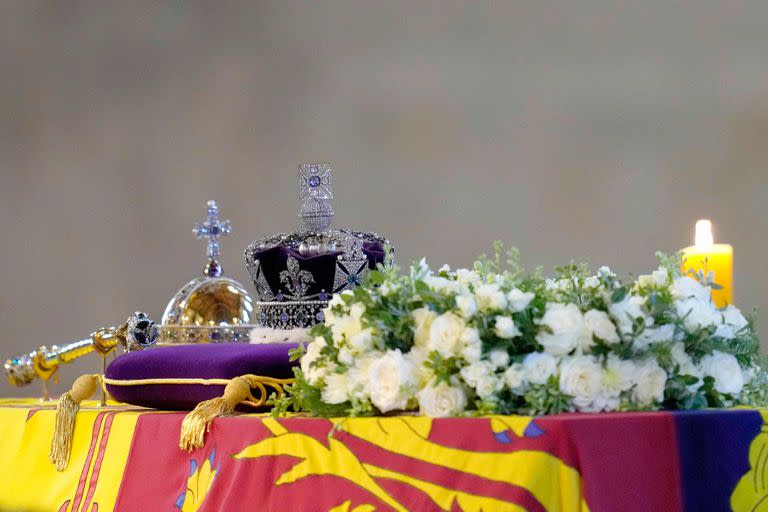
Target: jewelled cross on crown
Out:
[212,229]
[315,193]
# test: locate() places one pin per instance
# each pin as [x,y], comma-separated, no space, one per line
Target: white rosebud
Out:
[660,277]
[336,388]
[599,324]
[567,328]
[499,358]
[539,367]
[515,378]
[445,333]
[390,377]
[490,297]
[445,269]
[686,287]
[645,281]
[581,377]
[627,312]
[519,300]
[505,327]
[466,304]
[472,347]
[441,400]
[422,321]
[725,369]
[650,380]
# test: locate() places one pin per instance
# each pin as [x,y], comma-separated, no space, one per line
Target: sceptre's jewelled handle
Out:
[137,332]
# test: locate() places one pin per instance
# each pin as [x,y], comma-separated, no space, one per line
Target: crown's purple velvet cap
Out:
[322,267]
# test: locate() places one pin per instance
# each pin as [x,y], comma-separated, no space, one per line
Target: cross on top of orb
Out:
[212,228]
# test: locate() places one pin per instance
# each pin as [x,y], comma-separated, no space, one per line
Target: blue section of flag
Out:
[714,454]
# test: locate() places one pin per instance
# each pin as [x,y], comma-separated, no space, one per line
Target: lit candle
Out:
[714,260]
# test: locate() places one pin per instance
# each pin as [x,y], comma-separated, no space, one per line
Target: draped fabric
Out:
[128,459]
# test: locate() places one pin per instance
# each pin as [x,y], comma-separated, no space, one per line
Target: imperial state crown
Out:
[296,274]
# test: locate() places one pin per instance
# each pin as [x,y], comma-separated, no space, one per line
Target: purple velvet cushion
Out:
[205,361]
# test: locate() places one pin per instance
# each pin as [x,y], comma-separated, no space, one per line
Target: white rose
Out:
[518,300]
[685,364]
[362,342]
[466,276]
[441,400]
[311,372]
[473,373]
[328,315]
[514,377]
[732,316]
[336,388]
[567,328]
[599,324]
[490,297]
[725,369]
[347,326]
[686,287]
[472,347]
[505,327]
[654,335]
[650,380]
[592,283]
[388,288]
[345,356]
[581,377]
[618,376]
[697,314]
[466,304]
[445,334]
[391,375]
[443,285]
[733,322]
[487,385]
[445,269]
[499,358]
[539,367]
[629,310]
[422,321]
[359,374]
[605,272]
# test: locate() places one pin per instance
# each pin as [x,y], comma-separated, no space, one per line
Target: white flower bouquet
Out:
[492,339]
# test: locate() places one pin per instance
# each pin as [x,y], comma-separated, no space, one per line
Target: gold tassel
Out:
[66,412]
[198,422]
[238,391]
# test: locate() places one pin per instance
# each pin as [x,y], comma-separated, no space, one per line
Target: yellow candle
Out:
[714,260]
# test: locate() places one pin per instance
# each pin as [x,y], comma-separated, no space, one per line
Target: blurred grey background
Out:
[590,130]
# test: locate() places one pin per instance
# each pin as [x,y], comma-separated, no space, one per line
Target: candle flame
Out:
[704,238]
